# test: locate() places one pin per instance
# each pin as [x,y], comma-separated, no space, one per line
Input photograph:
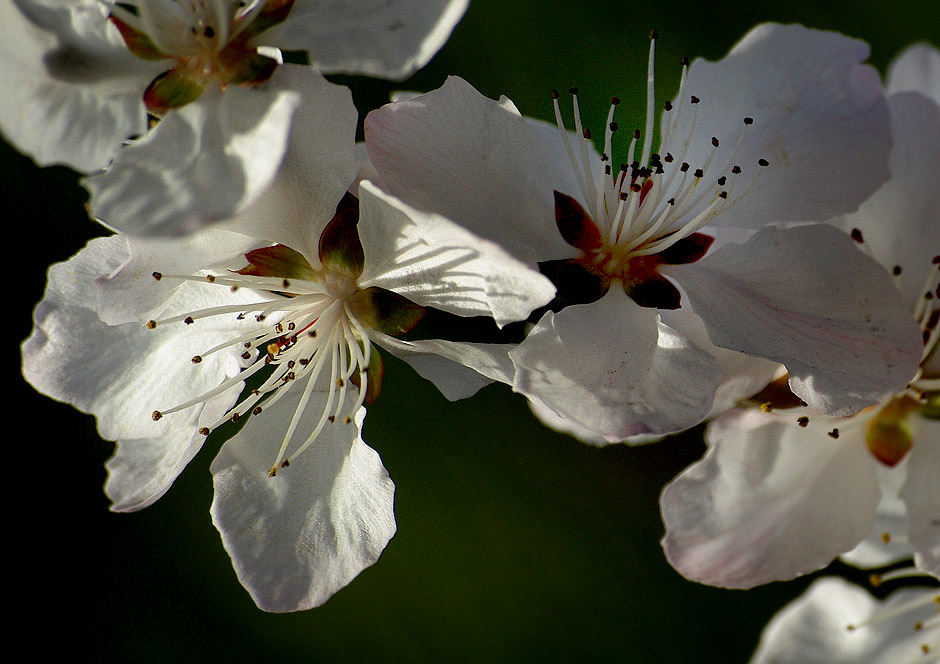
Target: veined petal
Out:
[119,375]
[615,369]
[71,90]
[382,38]
[432,261]
[916,69]
[458,369]
[770,500]
[297,538]
[819,118]
[921,494]
[807,298]
[476,162]
[129,294]
[318,167]
[201,164]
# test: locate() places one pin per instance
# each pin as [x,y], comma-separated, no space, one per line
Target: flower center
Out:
[306,325]
[647,212]
[208,40]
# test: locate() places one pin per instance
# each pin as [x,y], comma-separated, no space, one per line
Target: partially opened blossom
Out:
[790,126]
[82,77]
[836,622]
[782,493]
[276,322]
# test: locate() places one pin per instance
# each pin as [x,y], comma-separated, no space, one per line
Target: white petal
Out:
[121,374]
[813,628]
[319,166]
[899,222]
[742,376]
[130,293]
[820,119]
[72,92]
[436,263]
[613,368]
[478,163]
[807,298]
[458,369]
[297,538]
[204,162]
[770,500]
[921,494]
[382,38]
[916,69]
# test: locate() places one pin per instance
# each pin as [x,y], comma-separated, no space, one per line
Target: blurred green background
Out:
[514,543]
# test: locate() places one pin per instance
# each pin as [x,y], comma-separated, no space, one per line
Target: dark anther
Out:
[695,99]
[714,141]
[189,320]
[896,270]
[668,106]
[554,93]
[572,91]
[158,276]
[736,170]
[613,126]
[803,421]
[587,133]
[748,121]
[857,235]
[699,173]
[615,101]
[654,34]
[834,433]
[209,32]
[763,162]
[722,180]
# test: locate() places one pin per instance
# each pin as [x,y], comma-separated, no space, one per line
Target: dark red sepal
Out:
[655,292]
[687,250]
[340,248]
[574,224]
[376,372]
[273,13]
[138,42]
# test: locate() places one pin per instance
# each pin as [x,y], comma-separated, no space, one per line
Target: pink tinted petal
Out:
[614,369]
[297,538]
[475,161]
[819,115]
[807,298]
[383,38]
[770,500]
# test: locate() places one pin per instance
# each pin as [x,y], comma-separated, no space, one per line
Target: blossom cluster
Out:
[762,257]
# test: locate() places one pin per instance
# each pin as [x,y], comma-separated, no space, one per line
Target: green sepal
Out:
[376,371]
[273,13]
[931,409]
[278,261]
[385,311]
[172,89]
[138,42]
[340,248]
[252,69]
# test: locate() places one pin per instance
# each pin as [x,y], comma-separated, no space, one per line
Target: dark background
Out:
[515,543]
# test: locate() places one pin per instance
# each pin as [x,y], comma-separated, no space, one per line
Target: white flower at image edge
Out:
[302,503]
[657,301]
[782,493]
[80,77]
[836,622]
